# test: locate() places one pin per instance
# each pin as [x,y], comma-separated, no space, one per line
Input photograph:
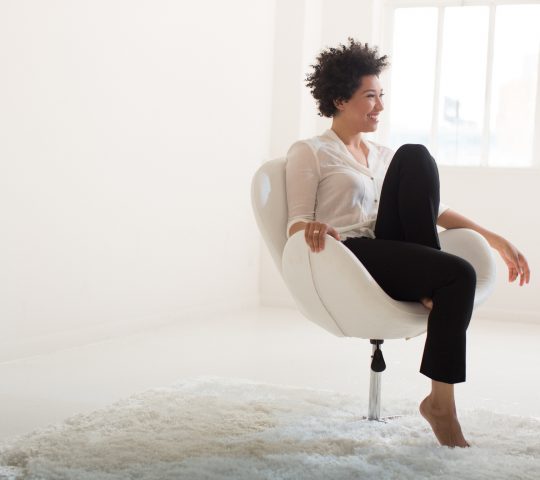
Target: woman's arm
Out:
[514,259]
[302,177]
[452,219]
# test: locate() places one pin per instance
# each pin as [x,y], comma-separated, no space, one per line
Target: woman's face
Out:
[362,110]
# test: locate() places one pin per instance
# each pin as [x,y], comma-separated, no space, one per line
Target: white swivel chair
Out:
[333,289]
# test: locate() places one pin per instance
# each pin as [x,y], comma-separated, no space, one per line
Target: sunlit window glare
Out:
[466,128]
[413,75]
[514,95]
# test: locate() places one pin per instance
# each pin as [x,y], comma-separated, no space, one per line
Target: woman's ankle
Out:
[440,407]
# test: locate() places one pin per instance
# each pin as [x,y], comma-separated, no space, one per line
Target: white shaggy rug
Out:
[216,428]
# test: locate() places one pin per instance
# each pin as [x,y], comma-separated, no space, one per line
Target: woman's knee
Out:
[414,150]
[464,272]
[415,154]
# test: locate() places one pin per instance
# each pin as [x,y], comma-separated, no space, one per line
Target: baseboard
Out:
[507,315]
[496,314]
[12,350]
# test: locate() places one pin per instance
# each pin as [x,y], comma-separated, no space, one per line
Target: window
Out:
[464,80]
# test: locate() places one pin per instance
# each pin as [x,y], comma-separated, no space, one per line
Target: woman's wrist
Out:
[297,227]
[495,241]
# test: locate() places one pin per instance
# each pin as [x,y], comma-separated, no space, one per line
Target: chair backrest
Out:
[269,201]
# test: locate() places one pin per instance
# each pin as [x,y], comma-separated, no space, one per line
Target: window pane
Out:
[513,100]
[462,89]
[413,75]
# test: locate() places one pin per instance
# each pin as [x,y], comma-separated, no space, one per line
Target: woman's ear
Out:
[338,104]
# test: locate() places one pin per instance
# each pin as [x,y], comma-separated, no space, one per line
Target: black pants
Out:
[406,260]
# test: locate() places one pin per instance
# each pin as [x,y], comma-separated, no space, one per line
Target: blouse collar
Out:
[370,157]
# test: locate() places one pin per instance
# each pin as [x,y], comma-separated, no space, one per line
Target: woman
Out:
[384,206]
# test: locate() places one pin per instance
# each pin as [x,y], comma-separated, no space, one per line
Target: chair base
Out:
[377,367]
[374,409]
[382,419]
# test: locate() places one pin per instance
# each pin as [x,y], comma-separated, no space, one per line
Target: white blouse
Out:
[324,182]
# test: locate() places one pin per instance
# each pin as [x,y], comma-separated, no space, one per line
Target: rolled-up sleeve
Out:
[302,175]
[442,208]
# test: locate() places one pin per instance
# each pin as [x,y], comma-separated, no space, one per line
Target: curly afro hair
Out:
[339,71]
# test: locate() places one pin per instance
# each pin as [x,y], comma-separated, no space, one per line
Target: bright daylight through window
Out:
[464,82]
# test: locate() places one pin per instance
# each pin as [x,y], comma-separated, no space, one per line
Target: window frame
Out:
[387,37]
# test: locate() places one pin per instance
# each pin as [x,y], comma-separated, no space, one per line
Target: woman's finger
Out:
[322,233]
[316,236]
[307,234]
[512,273]
[332,231]
[525,268]
[312,236]
[516,265]
[522,274]
[519,268]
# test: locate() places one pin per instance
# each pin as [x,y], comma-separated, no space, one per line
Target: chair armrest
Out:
[297,273]
[334,289]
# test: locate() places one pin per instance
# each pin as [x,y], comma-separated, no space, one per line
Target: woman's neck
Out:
[351,139]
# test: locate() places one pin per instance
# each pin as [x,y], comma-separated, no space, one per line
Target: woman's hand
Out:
[515,260]
[315,233]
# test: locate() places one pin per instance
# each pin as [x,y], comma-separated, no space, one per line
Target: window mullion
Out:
[437,86]
[484,161]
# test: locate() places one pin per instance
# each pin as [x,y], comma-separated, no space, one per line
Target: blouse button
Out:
[372,178]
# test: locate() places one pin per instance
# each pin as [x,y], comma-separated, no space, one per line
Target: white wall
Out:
[502,200]
[130,133]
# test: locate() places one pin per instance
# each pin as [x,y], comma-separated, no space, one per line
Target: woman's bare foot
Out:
[444,424]
[427,302]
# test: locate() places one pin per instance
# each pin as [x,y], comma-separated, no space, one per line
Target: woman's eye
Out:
[382,95]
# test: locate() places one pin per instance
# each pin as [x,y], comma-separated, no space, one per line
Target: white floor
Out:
[273,345]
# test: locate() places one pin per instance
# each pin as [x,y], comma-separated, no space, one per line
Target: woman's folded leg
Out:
[408,271]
